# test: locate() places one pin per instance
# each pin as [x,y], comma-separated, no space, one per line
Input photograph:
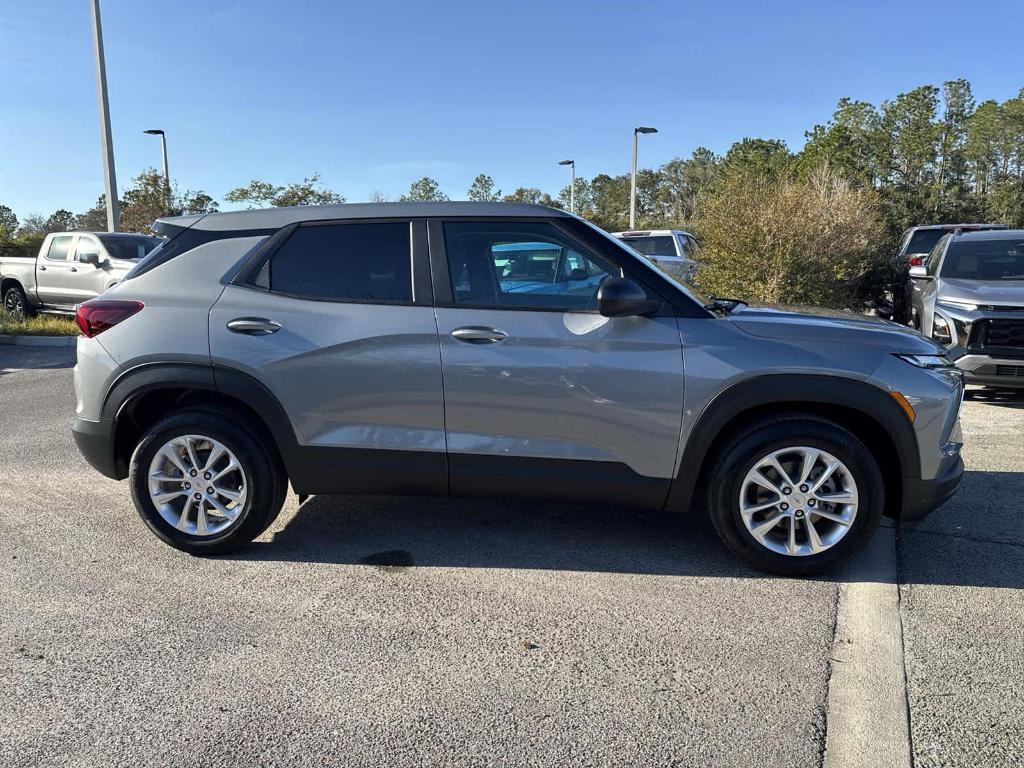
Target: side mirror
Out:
[919,272]
[621,297]
[89,258]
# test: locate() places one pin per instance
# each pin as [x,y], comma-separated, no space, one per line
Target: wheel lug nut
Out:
[803,489]
[787,490]
[207,475]
[209,490]
[783,506]
[799,513]
[193,473]
[197,496]
[810,502]
[187,485]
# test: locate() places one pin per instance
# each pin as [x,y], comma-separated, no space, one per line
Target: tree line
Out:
[819,224]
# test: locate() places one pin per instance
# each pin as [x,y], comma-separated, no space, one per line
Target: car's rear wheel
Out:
[205,483]
[795,496]
[16,303]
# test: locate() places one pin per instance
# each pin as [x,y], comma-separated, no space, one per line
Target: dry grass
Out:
[40,325]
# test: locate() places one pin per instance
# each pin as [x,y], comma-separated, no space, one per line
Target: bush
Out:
[815,241]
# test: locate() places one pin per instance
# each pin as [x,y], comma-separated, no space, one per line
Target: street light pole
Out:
[106,142]
[572,188]
[632,185]
[163,145]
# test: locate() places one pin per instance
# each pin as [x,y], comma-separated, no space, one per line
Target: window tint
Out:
[345,262]
[923,240]
[985,260]
[654,245]
[523,265]
[128,246]
[59,248]
[85,244]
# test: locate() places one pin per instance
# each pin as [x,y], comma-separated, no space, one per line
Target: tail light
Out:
[96,316]
[917,261]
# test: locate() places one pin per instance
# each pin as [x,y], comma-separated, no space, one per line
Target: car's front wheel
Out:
[204,483]
[795,495]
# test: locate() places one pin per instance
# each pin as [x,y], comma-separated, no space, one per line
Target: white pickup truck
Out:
[71,267]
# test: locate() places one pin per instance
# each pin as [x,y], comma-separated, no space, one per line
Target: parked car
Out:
[383,348]
[71,267]
[674,250]
[969,297]
[915,245]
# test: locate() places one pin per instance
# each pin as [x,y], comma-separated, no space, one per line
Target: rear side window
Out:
[655,245]
[345,262]
[59,248]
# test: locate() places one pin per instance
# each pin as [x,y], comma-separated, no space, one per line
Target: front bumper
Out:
[992,371]
[95,441]
[922,497]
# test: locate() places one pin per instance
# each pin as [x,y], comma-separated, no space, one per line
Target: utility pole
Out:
[632,184]
[106,143]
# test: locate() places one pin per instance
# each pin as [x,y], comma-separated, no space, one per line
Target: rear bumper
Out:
[922,497]
[95,441]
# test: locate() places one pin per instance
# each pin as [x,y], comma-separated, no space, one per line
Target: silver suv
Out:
[969,297]
[414,348]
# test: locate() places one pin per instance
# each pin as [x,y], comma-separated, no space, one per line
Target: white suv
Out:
[674,250]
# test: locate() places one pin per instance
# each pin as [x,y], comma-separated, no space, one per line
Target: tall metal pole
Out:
[167,176]
[572,190]
[632,187]
[106,142]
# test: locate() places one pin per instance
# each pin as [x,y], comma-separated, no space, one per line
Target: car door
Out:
[334,326]
[52,271]
[87,281]
[543,395]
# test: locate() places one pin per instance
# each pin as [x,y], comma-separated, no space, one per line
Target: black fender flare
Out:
[790,390]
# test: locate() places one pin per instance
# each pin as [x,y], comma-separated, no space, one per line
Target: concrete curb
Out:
[867,716]
[37,341]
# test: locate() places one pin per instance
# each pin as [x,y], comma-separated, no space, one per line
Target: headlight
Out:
[940,330]
[963,305]
[928,361]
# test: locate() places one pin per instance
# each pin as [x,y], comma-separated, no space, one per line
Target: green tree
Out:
[94,219]
[197,202]
[258,193]
[814,240]
[147,200]
[61,220]
[8,223]
[426,189]
[482,190]
[768,158]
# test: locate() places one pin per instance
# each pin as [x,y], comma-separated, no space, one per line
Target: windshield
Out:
[129,246]
[924,240]
[985,260]
[655,245]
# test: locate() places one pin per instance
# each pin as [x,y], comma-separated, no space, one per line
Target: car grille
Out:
[1010,370]
[999,333]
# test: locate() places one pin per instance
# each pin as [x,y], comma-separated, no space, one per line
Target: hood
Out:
[785,323]
[1003,292]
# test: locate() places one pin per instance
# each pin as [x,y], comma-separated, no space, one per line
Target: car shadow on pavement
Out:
[397,533]
[1008,398]
[14,359]
[403,532]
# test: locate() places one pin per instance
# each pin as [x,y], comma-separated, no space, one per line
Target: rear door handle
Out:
[475,334]
[253,326]
[72,269]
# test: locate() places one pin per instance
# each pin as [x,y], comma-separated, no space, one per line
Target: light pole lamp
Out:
[163,146]
[572,187]
[632,186]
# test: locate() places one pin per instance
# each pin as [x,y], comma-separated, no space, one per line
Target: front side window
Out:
[344,262]
[522,265]
[985,260]
[59,248]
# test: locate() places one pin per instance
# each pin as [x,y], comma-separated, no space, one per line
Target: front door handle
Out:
[72,269]
[253,326]
[475,334]
[42,267]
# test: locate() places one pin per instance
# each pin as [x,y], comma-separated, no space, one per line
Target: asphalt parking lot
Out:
[394,632]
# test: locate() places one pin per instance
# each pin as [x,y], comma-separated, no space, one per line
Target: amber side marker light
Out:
[904,404]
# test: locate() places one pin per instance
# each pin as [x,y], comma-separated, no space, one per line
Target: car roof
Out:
[650,232]
[954,226]
[991,234]
[274,218]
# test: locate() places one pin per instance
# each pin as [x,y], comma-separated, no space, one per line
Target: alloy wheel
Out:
[197,485]
[798,501]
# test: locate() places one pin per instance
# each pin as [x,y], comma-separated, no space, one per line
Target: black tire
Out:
[756,441]
[16,303]
[266,482]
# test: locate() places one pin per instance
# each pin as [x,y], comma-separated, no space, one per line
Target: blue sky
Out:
[375,95]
